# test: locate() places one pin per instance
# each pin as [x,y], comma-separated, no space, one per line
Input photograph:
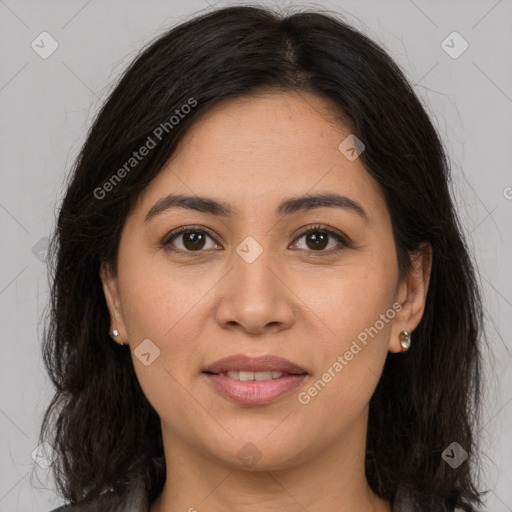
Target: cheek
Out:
[347,375]
[352,299]
[358,310]
[158,302]
[166,310]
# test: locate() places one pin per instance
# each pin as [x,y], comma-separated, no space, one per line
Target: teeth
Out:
[246,376]
[262,376]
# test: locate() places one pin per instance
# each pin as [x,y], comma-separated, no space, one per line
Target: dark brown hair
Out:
[104,431]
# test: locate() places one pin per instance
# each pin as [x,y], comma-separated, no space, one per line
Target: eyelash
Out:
[166,242]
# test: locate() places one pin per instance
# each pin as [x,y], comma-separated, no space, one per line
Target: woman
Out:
[261,296]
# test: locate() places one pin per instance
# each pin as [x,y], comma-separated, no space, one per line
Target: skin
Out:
[296,301]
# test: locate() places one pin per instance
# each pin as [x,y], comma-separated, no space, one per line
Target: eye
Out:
[192,238]
[317,239]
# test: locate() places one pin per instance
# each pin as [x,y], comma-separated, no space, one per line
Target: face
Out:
[304,282]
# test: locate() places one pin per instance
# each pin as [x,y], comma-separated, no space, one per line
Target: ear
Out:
[111,291]
[412,294]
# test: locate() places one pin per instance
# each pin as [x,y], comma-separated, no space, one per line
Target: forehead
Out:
[271,128]
[253,151]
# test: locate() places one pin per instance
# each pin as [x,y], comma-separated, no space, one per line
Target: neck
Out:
[333,480]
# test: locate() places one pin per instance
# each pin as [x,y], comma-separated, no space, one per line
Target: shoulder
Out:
[406,500]
[102,503]
[131,501]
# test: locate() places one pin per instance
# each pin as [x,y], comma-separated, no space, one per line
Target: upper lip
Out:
[266,363]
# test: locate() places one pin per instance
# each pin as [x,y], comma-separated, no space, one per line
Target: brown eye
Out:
[193,240]
[189,240]
[318,238]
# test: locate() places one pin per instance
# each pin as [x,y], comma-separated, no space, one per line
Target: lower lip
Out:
[255,392]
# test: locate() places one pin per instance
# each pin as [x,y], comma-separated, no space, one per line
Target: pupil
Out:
[319,239]
[194,239]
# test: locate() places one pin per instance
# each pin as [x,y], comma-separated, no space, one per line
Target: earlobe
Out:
[412,296]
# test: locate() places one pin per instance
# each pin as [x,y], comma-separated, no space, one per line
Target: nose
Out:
[254,296]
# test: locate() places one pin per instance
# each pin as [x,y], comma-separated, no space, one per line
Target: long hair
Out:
[104,431]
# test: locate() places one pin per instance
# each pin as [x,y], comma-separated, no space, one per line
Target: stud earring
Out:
[115,333]
[405,340]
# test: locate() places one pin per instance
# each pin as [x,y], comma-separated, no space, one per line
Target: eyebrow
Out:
[286,207]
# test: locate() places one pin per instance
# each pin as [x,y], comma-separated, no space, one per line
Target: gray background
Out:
[47,106]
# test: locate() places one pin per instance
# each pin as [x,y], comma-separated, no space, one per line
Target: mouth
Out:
[248,380]
[246,376]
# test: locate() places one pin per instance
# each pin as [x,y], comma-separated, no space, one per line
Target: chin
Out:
[259,454]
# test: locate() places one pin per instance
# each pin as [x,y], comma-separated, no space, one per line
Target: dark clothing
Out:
[135,500]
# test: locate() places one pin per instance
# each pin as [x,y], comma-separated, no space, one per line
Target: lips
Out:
[243,363]
[253,381]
